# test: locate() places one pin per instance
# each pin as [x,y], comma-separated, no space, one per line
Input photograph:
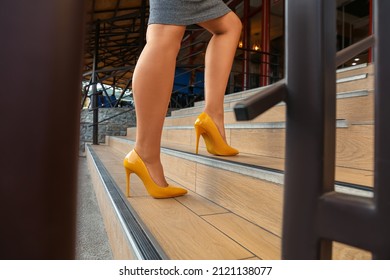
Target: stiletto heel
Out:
[134,164]
[215,144]
[198,131]
[128,172]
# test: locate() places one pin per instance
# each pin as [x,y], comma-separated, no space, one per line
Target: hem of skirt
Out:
[193,21]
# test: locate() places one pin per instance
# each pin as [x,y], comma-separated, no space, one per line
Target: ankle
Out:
[147,155]
[152,161]
[218,119]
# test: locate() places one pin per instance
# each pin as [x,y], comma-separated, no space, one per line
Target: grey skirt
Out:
[185,12]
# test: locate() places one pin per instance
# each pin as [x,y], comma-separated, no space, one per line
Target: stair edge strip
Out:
[140,239]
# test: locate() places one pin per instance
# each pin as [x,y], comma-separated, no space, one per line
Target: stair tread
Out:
[353,79]
[349,104]
[346,175]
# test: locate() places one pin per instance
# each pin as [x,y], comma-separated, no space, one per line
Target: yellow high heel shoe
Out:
[215,144]
[134,164]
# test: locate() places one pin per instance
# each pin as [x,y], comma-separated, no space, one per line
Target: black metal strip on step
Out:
[146,245]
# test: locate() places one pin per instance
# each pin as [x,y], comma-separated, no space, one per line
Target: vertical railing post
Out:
[370,28]
[95,105]
[41,60]
[246,46]
[265,42]
[310,132]
[382,129]
[142,31]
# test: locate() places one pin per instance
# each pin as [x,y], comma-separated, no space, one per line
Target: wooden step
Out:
[190,227]
[354,143]
[344,175]
[190,171]
[226,215]
[354,78]
[354,106]
[260,167]
[354,83]
[363,68]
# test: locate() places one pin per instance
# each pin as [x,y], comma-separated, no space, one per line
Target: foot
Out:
[218,119]
[156,171]
[154,167]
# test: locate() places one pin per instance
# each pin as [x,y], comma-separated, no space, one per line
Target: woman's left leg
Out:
[220,53]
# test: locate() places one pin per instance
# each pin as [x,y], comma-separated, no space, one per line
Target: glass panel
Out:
[255,5]
[353,25]
[277,40]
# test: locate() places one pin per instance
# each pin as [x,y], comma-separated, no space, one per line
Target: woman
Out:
[153,82]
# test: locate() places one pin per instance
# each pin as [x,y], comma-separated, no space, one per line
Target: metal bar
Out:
[246,42]
[123,17]
[265,34]
[190,56]
[123,92]
[104,70]
[347,219]
[311,121]
[186,87]
[370,29]
[142,31]
[111,10]
[193,44]
[382,129]
[260,102]
[95,129]
[112,75]
[106,94]
[112,117]
[85,93]
[38,182]
[346,54]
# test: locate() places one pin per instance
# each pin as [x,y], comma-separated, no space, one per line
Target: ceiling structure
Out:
[114,38]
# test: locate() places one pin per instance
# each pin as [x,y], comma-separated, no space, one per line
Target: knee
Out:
[230,24]
[166,38]
[236,26]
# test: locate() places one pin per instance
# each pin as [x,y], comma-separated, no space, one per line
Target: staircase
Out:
[234,206]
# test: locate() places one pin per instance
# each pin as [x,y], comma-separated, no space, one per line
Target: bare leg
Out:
[220,53]
[152,88]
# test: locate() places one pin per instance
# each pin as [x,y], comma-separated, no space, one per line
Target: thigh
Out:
[185,12]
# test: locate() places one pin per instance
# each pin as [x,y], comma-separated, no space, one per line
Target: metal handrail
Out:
[108,118]
[259,102]
[350,52]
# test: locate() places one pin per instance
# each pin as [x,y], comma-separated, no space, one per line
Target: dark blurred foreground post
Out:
[40,58]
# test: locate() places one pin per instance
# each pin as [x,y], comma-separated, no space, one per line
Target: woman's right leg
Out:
[152,88]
